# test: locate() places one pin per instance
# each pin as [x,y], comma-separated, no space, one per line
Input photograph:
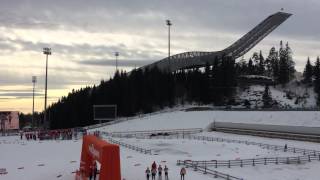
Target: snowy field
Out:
[34,160]
[50,160]
[202,119]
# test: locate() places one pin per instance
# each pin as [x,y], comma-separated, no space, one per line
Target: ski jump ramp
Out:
[196,59]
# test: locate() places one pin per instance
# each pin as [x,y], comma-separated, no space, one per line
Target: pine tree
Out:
[286,64]
[316,82]
[261,68]
[272,64]
[307,73]
[291,63]
[266,97]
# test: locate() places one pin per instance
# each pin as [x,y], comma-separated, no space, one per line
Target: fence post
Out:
[288,162]
[205,167]
[309,158]
[216,164]
[229,164]
[241,163]
[253,164]
[276,160]
[294,150]
[265,161]
[304,152]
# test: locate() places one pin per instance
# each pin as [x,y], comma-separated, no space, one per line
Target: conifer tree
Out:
[261,65]
[316,82]
[307,73]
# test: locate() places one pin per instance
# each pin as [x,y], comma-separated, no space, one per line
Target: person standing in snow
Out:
[148,173]
[153,173]
[159,170]
[154,165]
[166,172]
[183,173]
[285,148]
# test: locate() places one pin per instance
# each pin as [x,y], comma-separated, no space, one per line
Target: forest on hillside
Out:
[151,90]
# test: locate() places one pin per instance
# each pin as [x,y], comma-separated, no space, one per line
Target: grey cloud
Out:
[21,94]
[111,62]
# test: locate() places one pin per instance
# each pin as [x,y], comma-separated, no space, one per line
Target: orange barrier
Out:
[108,155]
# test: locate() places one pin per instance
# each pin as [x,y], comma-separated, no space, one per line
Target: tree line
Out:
[311,76]
[145,91]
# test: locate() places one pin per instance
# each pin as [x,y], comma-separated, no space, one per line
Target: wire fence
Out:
[129,146]
[253,162]
[206,170]
[216,139]
[152,133]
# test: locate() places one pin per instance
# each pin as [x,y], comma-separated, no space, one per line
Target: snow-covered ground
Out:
[51,160]
[34,160]
[202,119]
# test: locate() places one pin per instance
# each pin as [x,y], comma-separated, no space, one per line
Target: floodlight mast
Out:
[34,80]
[169,24]
[116,54]
[47,52]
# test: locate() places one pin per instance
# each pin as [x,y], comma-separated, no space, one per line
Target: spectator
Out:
[166,172]
[159,170]
[183,173]
[153,173]
[285,148]
[148,173]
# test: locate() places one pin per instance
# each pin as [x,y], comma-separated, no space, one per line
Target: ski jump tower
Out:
[196,59]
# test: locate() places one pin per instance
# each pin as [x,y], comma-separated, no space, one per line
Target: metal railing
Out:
[206,170]
[129,146]
[254,161]
[166,132]
[216,139]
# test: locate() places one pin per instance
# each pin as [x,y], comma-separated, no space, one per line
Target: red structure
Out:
[108,155]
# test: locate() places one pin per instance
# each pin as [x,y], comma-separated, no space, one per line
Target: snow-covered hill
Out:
[202,119]
[293,95]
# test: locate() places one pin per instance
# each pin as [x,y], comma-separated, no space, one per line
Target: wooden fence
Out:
[206,170]
[216,139]
[129,146]
[252,162]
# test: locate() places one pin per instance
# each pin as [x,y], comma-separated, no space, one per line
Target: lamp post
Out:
[47,52]
[116,54]
[34,80]
[169,24]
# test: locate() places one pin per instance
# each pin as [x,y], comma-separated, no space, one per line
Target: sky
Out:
[84,35]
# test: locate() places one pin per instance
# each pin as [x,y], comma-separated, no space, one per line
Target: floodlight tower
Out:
[116,54]
[34,80]
[169,24]
[47,52]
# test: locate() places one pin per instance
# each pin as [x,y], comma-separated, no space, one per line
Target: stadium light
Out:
[47,52]
[116,54]
[169,24]
[34,80]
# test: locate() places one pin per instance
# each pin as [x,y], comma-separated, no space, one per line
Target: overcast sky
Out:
[85,34]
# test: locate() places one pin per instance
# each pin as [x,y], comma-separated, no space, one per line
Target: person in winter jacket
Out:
[153,173]
[166,172]
[154,165]
[183,173]
[159,170]
[148,173]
